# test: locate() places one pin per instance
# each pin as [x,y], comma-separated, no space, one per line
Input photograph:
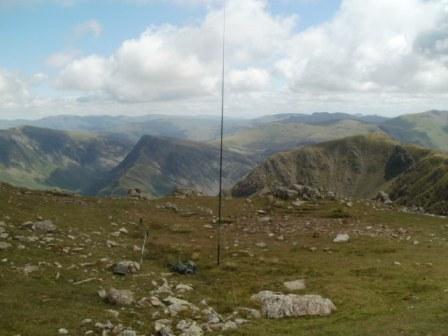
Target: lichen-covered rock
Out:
[278,306]
[46,226]
[120,297]
[126,267]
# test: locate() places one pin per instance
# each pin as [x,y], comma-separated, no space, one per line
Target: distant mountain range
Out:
[358,167]
[428,129]
[266,135]
[43,158]
[180,127]
[107,155]
[157,166]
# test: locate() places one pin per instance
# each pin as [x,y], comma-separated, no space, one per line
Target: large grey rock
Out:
[176,305]
[278,306]
[126,267]
[120,297]
[45,226]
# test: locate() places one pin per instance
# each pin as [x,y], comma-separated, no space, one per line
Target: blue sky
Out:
[136,57]
[34,31]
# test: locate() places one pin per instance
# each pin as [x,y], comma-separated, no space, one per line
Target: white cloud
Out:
[368,47]
[169,62]
[373,56]
[13,90]
[250,79]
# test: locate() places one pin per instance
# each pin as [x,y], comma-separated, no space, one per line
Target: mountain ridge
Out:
[358,167]
[158,165]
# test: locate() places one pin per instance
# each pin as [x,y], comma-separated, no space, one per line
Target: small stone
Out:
[128,333]
[30,269]
[183,288]
[295,285]
[113,312]
[5,246]
[120,297]
[63,331]
[342,238]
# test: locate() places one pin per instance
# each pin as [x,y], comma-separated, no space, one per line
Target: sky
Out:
[135,57]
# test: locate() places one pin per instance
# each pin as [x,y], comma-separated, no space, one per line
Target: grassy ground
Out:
[383,282]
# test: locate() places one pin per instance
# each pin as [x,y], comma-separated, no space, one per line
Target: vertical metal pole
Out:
[222,137]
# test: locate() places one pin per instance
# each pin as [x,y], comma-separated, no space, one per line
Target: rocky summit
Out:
[361,167]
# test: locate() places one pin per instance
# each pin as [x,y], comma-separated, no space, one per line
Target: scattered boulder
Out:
[383,198]
[183,192]
[176,305]
[45,226]
[134,193]
[182,288]
[28,269]
[285,193]
[5,246]
[63,331]
[126,267]
[295,285]
[163,327]
[278,306]
[342,238]
[189,328]
[120,297]
[184,268]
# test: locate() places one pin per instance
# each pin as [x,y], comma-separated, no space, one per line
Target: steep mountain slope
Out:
[358,167]
[429,129]
[269,138]
[157,166]
[43,158]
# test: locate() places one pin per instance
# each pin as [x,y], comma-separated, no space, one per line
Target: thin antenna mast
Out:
[222,136]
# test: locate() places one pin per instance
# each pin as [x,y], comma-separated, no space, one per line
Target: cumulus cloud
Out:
[171,62]
[13,90]
[369,47]
[373,56]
